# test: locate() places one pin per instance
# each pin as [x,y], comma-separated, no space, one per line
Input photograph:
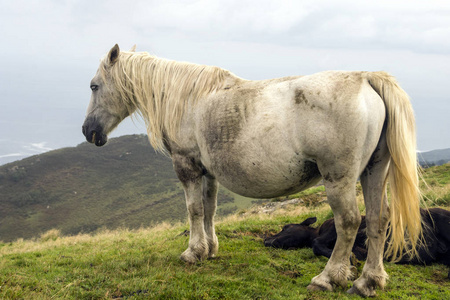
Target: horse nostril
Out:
[93,136]
[93,132]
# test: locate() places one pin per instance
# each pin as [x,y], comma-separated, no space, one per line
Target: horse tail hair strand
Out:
[405,231]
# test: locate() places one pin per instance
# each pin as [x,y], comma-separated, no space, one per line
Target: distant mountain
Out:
[84,188]
[434,157]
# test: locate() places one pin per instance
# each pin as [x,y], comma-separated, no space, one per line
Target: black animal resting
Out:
[435,222]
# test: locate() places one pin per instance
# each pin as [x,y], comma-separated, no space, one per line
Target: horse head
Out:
[106,108]
[294,236]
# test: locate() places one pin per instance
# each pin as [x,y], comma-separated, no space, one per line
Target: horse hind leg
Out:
[340,184]
[377,217]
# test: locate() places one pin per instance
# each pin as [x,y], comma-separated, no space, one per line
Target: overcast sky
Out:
[50,50]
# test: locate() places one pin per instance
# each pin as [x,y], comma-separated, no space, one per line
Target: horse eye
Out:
[94,87]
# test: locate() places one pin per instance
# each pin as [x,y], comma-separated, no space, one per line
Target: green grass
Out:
[437,187]
[144,263]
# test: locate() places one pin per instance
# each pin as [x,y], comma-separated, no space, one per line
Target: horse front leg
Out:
[210,188]
[191,175]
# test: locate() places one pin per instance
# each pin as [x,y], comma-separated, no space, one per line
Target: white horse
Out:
[271,138]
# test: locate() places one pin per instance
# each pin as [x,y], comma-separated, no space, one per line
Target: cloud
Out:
[84,27]
[52,49]
[220,17]
[13,155]
[38,147]
[412,25]
[12,150]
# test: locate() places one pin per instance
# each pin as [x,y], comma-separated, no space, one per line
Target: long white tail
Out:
[405,229]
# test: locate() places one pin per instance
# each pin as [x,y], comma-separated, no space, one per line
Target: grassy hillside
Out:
[436,185]
[144,264]
[123,184]
[84,188]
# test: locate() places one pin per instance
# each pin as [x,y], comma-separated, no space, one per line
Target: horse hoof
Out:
[187,260]
[353,273]
[188,257]
[314,288]
[355,291]
[213,250]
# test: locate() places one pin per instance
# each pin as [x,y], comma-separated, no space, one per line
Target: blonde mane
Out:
[160,89]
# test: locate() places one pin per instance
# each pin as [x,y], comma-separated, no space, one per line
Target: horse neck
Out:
[163,90]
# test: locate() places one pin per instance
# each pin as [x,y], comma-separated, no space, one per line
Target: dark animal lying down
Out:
[436,224]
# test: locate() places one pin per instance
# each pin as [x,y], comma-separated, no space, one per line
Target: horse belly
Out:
[262,177]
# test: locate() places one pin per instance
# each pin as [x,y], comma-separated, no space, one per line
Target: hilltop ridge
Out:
[84,188]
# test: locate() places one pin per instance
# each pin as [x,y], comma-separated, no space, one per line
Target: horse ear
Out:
[113,54]
[133,49]
[309,221]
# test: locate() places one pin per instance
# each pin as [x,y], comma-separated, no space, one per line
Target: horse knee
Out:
[349,222]
[195,210]
[376,225]
[355,221]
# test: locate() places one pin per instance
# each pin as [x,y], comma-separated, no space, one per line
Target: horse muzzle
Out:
[94,133]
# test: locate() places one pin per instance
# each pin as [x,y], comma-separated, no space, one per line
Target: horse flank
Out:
[161,89]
